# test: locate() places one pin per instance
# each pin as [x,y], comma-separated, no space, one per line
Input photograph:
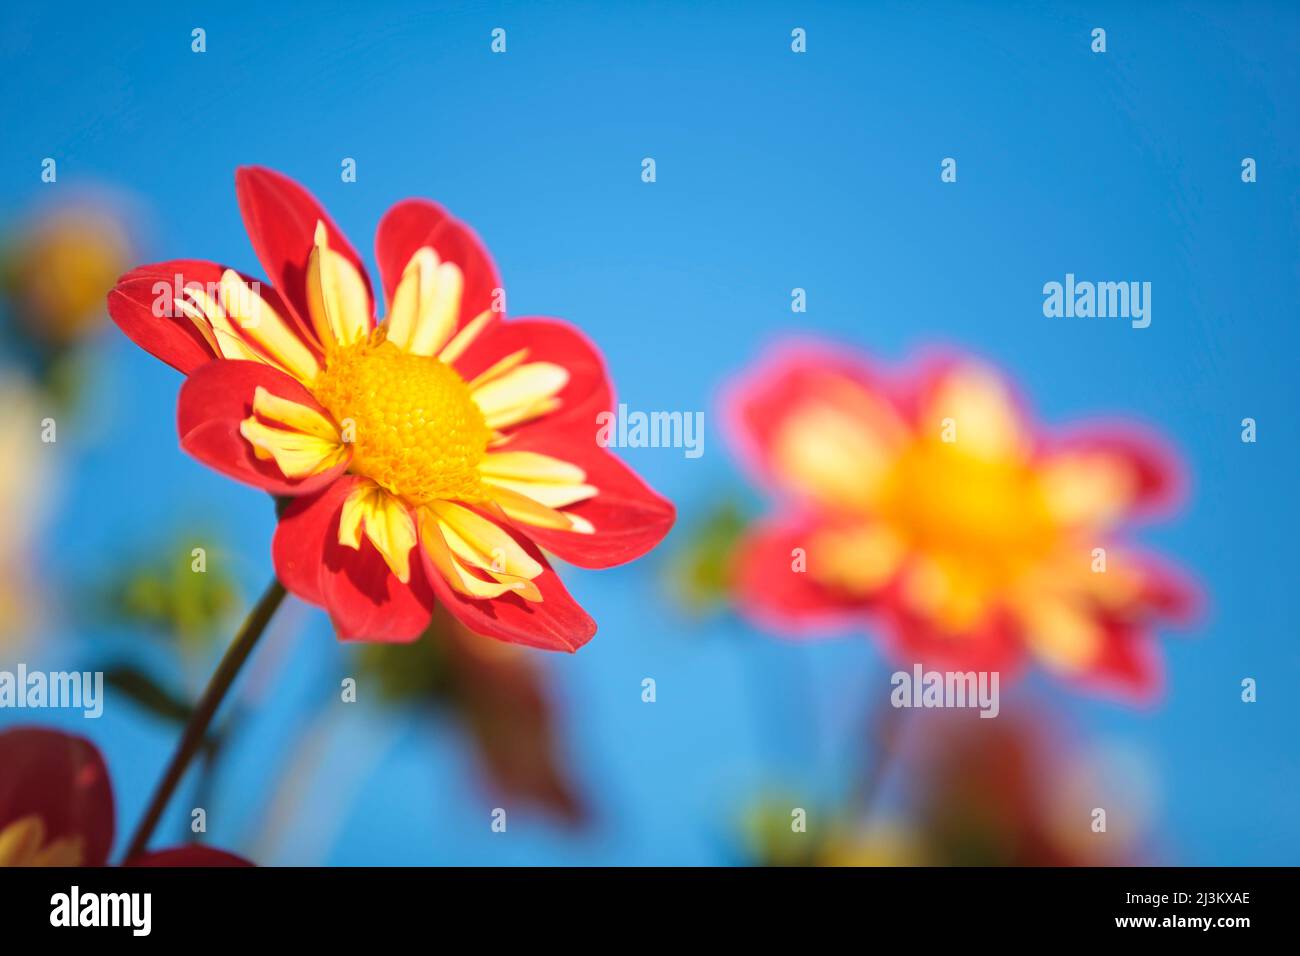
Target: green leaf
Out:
[148,693]
[700,574]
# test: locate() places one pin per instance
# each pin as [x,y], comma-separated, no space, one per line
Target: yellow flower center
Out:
[982,511]
[411,420]
[980,526]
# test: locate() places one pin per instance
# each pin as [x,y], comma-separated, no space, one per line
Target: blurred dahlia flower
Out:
[927,501]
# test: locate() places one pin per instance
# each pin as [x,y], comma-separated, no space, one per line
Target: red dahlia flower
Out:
[428,456]
[56,806]
[930,503]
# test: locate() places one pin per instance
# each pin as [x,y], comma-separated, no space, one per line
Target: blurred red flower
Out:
[56,806]
[928,501]
[430,456]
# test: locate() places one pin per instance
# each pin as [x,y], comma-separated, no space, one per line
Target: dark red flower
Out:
[56,806]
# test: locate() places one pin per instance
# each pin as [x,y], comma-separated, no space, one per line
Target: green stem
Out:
[196,730]
[885,733]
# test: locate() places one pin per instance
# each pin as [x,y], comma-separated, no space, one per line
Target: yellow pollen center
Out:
[411,420]
[987,515]
[967,529]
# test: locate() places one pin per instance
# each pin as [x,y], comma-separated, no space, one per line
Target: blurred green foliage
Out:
[415,673]
[768,835]
[162,594]
[699,574]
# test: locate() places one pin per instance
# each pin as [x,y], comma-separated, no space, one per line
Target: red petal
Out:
[993,644]
[280,218]
[586,394]
[1128,668]
[298,547]
[1168,593]
[140,295]
[215,399]
[63,780]
[757,405]
[556,623]
[364,598]
[780,599]
[414,223]
[192,855]
[629,517]
[1158,480]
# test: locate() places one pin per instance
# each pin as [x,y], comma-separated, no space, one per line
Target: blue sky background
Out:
[775,170]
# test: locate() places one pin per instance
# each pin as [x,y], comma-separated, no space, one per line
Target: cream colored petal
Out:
[449,566]
[261,323]
[980,405]
[549,494]
[410,300]
[504,399]
[482,543]
[426,304]
[837,451]
[200,322]
[1062,634]
[386,521]
[522,413]
[336,294]
[1092,489]
[860,559]
[547,480]
[229,343]
[465,337]
[511,361]
[530,466]
[297,455]
[295,416]
[527,510]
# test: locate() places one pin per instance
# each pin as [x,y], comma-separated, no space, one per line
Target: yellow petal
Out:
[65,851]
[528,510]
[988,424]
[200,322]
[295,416]
[482,543]
[336,294]
[547,480]
[263,325]
[465,337]
[228,342]
[296,454]
[426,304]
[860,559]
[530,466]
[830,457]
[522,393]
[550,495]
[410,300]
[387,523]
[500,368]
[1062,633]
[21,840]
[434,542]
[1087,489]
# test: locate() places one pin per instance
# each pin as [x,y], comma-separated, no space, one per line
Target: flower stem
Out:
[884,732]
[196,730]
